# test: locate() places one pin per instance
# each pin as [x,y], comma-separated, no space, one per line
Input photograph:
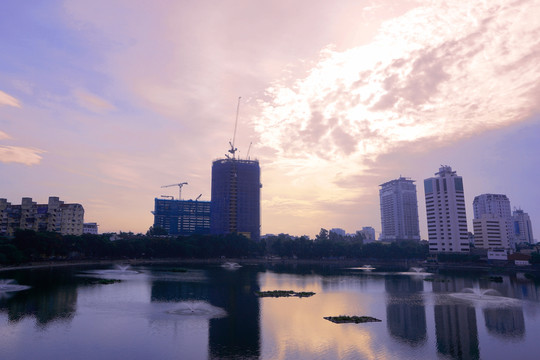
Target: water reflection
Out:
[456,331]
[47,299]
[455,323]
[232,336]
[506,323]
[405,310]
[211,313]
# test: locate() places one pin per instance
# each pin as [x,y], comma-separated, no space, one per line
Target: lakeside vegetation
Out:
[30,246]
[284,293]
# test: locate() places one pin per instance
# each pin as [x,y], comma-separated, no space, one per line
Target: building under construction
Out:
[236,193]
[182,217]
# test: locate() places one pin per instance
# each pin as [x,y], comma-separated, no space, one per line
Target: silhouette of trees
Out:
[28,245]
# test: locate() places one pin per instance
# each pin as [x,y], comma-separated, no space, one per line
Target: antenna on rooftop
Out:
[233,149]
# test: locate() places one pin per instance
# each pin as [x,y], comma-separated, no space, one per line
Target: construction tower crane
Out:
[233,149]
[179,188]
[198,197]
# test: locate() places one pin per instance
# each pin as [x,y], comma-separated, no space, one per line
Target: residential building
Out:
[445,210]
[182,217]
[90,228]
[522,227]
[399,210]
[55,216]
[236,192]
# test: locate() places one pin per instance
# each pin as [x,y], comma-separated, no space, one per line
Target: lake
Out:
[210,312]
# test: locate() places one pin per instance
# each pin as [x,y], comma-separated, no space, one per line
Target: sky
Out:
[103,102]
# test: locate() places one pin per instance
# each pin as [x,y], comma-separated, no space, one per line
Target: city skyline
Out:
[103,103]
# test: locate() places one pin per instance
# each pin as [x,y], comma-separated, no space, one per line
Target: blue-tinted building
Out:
[236,194]
[182,217]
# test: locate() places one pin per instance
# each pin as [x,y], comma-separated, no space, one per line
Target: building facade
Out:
[491,232]
[236,192]
[55,216]
[492,221]
[445,210]
[399,210]
[182,217]
[522,227]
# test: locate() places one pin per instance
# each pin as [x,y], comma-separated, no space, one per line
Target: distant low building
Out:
[90,228]
[497,254]
[55,216]
[369,234]
[338,231]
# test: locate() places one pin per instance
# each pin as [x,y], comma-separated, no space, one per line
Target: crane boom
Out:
[179,188]
[233,149]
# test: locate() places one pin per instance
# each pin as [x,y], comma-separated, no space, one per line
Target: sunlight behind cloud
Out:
[442,71]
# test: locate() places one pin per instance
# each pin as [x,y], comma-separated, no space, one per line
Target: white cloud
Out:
[441,71]
[92,102]
[8,100]
[22,155]
[4,136]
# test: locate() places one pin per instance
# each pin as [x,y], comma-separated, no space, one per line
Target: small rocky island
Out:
[345,319]
[284,293]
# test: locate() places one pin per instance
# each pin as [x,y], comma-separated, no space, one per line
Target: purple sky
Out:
[102,102]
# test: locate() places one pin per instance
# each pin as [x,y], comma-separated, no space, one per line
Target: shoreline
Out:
[389,263]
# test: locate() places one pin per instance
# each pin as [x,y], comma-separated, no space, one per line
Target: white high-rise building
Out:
[495,204]
[491,232]
[445,209]
[399,210]
[492,221]
[522,227]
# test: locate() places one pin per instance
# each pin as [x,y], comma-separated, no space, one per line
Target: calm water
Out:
[211,312]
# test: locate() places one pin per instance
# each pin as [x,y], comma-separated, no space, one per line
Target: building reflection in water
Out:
[52,297]
[238,333]
[405,310]
[455,323]
[508,323]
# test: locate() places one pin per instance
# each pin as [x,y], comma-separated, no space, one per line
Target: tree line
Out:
[28,245]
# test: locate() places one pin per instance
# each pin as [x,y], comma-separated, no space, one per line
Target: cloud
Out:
[8,100]
[441,71]
[22,155]
[4,136]
[92,102]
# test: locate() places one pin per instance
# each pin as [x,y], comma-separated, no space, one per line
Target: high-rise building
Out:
[182,217]
[55,216]
[399,210]
[492,221]
[494,204]
[236,190]
[445,210]
[491,232]
[522,227]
